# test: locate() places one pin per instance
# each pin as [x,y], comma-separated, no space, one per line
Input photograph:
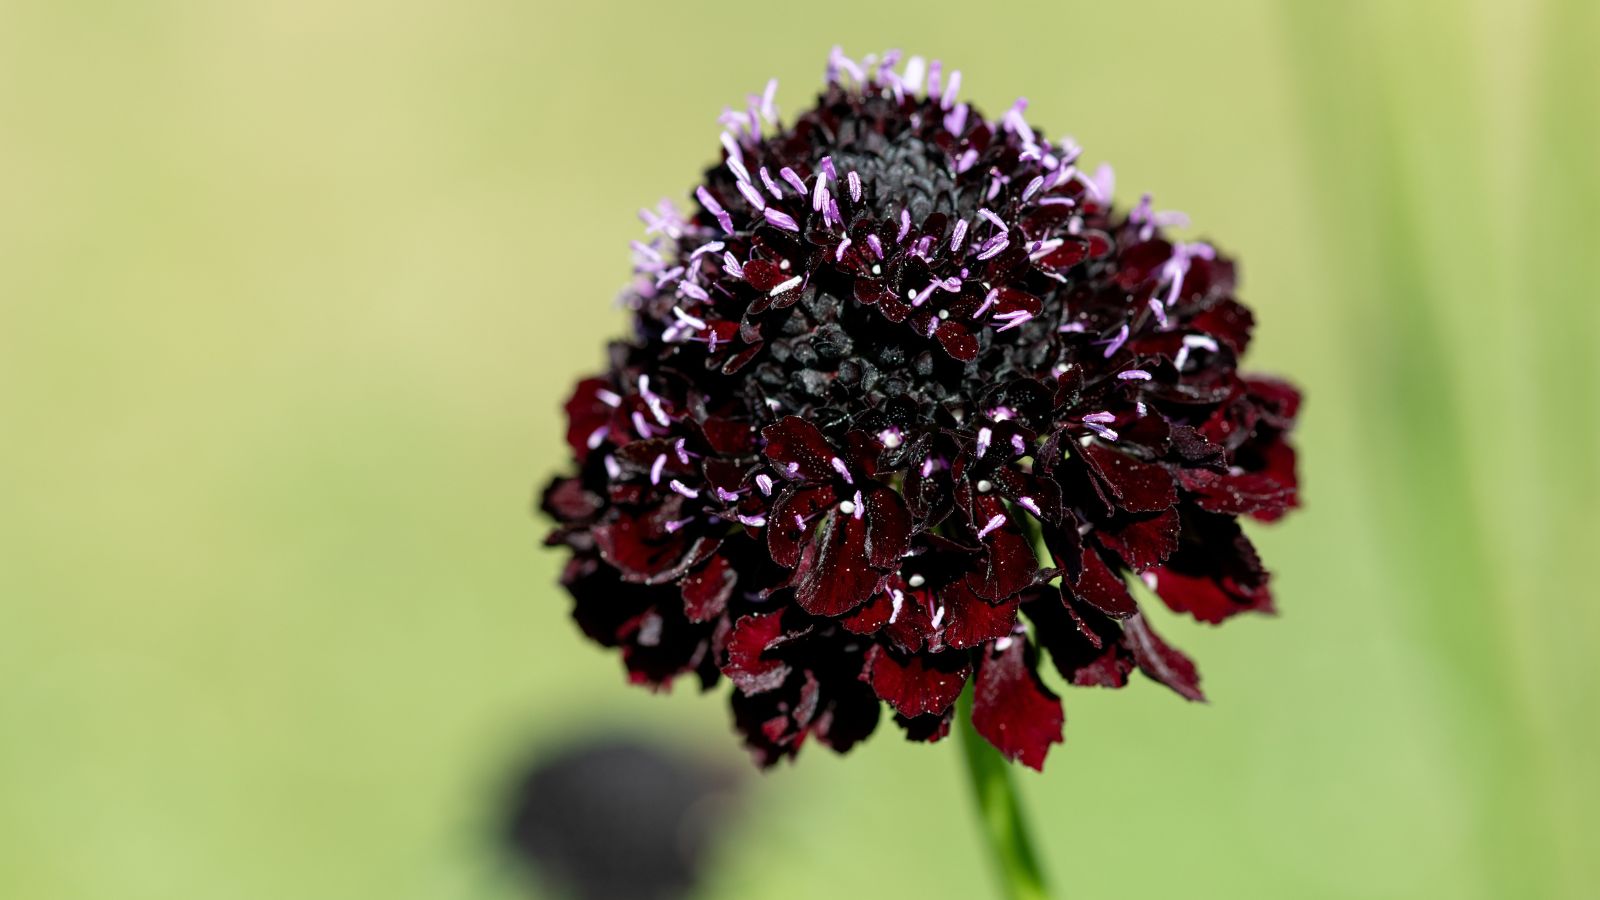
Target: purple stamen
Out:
[683,489]
[959,235]
[876,245]
[687,319]
[769,109]
[726,496]
[1032,188]
[950,90]
[1040,249]
[912,79]
[994,247]
[795,181]
[994,524]
[855,186]
[985,435]
[967,160]
[731,263]
[842,469]
[609,398]
[715,208]
[753,521]
[598,436]
[955,121]
[653,401]
[682,449]
[780,219]
[764,482]
[790,284]
[1134,375]
[1014,319]
[772,186]
[1117,342]
[1159,310]
[703,249]
[640,426]
[905,225]
[994,219]
[988,301]
[656,467]
[844,245]
[1028,504]
[1099,418]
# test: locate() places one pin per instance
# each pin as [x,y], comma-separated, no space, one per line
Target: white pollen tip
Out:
[848,507]
[916,581]
[985,486]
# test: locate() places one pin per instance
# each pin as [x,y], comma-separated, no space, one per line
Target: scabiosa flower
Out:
[909,399]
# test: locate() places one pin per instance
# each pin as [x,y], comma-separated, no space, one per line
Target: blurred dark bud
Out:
[619,819]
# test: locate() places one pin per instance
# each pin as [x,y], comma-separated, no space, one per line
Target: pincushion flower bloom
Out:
[908,401]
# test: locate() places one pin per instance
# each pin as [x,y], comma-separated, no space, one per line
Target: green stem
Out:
[1000,812]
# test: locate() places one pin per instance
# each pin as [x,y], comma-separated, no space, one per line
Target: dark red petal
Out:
[957,341]
[749,669]
[1136,486]
[1086,647]
[917,684]
[706,589]
[1229,322]
[1205,598]
[643,550]
[970,620]
[888,528]
[764,275]
[834,575]
[871,617]
[926,729]
[1261,495]
[567,501]
[1010,562]
[586,415]
[1215,573]
[797,446]
[1142,541]
[792,521]
[1012,708]
[1102,588]
[1160,661]
[848,717]
[1069,254]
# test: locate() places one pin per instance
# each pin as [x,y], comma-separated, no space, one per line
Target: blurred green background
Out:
[290,293]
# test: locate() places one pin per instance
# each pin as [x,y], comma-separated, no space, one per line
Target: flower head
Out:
[907,400]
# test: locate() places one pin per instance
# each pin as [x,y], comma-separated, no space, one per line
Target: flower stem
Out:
[999,812]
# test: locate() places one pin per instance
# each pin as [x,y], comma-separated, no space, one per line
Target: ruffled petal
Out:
[1012,708]
[917,684]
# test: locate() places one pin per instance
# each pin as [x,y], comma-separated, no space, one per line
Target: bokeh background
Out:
[290,293]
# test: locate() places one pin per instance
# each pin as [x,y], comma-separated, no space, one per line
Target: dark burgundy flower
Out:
[908,399]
